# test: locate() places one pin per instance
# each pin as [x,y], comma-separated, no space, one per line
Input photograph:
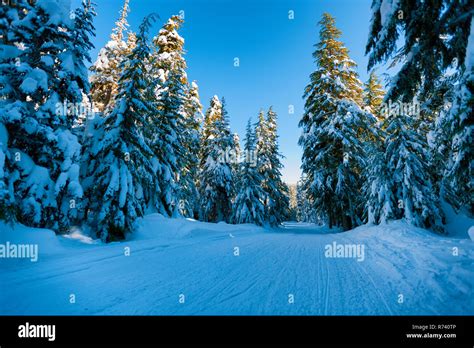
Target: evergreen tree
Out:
[277,195]
[434,36]
[213,113]
[292,190]
[435,40]
[107,68]
[216,186]
[236,154]
[305,207]
[76,92]
[248,207]
[400,185]
[124,173]
[334,131]
[190,173]
[378,188]
[37,81]
[169,127]
[10,107]
[300,203]
[373,95]
[78,52]
[7,206]
[460,170]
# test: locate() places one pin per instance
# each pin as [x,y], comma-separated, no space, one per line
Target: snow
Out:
[387,9]
[8,52]
[169,257]
[35,79]
[57,10]
[46,240]
[29,85]
[471,232]
[457,225]
[469,59]
[3,136]
[47,60]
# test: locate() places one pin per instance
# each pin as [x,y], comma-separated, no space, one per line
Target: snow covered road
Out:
[187,267]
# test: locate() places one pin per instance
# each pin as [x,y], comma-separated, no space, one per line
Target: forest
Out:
[103,146]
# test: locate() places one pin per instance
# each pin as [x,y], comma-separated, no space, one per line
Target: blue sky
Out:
[274,52]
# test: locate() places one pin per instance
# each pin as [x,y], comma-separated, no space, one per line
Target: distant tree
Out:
[276,199]
[217,183]
[106,70]
[248,207]
[190,173]
[373,95]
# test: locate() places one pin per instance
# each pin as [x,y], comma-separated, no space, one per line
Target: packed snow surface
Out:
[181,267]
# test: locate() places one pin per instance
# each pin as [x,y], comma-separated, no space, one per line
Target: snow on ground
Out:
[174,257]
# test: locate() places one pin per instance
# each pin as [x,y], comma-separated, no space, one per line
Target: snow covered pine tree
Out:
[373,95]
[124,173]
[334,131]
[106,70]
[276,198]
[437,36]
[38,82]
[171,131]
[399,184]
[217,182]
[189,177]
[248,207]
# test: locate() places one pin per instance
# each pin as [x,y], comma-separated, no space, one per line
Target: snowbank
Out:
[457,225]
[46,240]
[157,226]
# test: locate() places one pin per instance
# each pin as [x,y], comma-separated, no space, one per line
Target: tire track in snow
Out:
[369,277]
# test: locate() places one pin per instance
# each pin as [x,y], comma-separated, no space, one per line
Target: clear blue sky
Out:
[274,52]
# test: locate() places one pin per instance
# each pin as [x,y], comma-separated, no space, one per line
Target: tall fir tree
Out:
[236,154]
[217,182]
[106,70]
[77,92]
[169,126]
[460,169]
[10,104]
[276,198]
[38,81]
[435,39]
[248,207]
[189,204]
[7,202]
[305,207]
[399,184]
[123,173]
[293,210]
[373,95]
[334,131]
[434,35]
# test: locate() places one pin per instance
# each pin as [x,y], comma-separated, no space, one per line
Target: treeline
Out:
[373,156]
[130,140]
